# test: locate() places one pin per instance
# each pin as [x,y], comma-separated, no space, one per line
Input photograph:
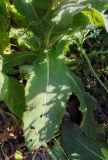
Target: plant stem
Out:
[60,147]
[98,53]
[92,70]
[51,154]
[48,37]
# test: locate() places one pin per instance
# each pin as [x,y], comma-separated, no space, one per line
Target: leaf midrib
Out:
[89,149]
[47,80]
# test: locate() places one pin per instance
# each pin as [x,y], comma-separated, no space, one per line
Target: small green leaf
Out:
[25,70]
[18,155]
[95,17]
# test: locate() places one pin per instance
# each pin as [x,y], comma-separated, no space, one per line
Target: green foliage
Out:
[54,23]
[57,150]
[37,49]
[4,26]
[17,59]
[12,93]
[89,125]
[98,4]
[46,92]
[81,147]
[42,90]
[14,97]
[3,85]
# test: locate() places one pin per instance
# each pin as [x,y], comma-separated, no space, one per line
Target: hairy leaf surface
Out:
[46,92]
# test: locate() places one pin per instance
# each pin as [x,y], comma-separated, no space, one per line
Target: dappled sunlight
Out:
[65,14]
[46,99]
[53,80]
[79,145]
[46,120]
[75,156]
[28,1]
[3,85]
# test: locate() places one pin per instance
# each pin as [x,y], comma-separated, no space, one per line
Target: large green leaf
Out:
[14,97]
[89,124]
[37,16]
[71,17]
[67,20]
[81,147]
[46,94]
[53,24]
[64,16]
[12,93]
[30,8]
[17,59]
[27,9]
